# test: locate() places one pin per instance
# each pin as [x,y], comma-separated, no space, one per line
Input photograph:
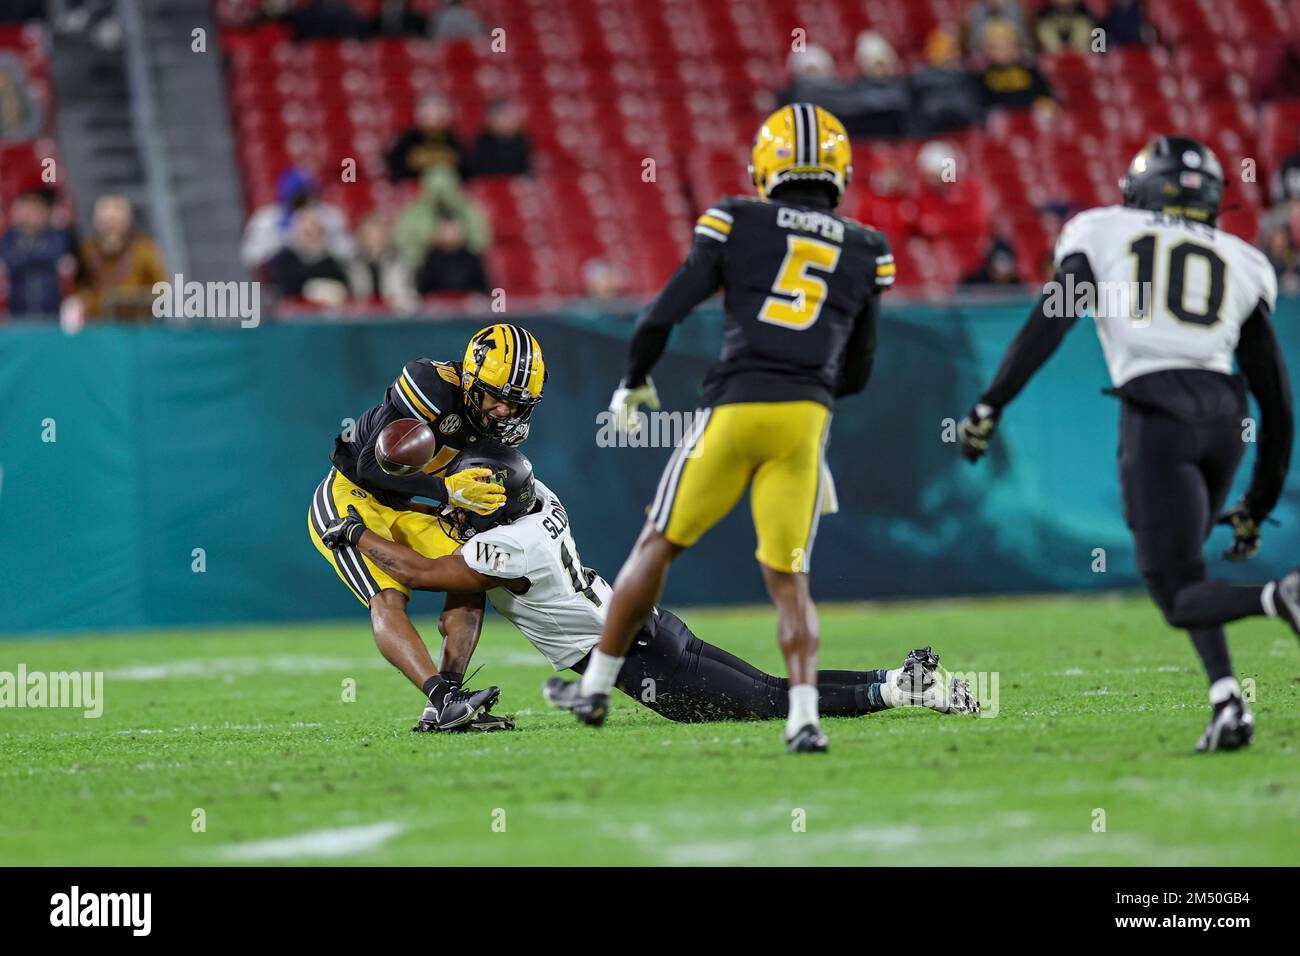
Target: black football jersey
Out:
[795,280]
[428,391]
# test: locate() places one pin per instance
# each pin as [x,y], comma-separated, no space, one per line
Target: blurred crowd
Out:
[435,241]
[435,244]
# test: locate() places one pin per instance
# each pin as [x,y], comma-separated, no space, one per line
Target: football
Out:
[405,446]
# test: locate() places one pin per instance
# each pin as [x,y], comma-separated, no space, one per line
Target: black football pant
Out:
[1175,477]
[677,675]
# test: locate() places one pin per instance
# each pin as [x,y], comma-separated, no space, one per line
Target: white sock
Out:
[602,671]
[1223,688]
[1266,599]
[803,709]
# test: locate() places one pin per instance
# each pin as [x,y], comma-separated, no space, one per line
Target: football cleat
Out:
[1286,600]
[461,706]
[1231,727]
[567,695]
[923,682]
[809,739]
[428,722]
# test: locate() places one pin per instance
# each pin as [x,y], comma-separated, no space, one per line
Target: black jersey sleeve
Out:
[695,280]
[1259,356]
[1039,337]
[860,350]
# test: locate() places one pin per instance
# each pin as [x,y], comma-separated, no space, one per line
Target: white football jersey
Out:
[563,610]
[1203,285]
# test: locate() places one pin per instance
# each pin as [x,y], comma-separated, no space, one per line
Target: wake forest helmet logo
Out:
[449,424]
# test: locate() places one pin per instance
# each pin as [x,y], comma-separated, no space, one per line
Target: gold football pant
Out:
[418,531]
[776,449]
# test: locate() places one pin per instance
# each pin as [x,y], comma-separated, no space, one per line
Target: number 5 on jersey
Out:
[798,295]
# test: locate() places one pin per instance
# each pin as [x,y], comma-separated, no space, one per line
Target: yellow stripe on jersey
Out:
[713,222]
[414,399]
[888,270]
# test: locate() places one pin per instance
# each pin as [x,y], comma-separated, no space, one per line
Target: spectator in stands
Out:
[812,77]
[950,202]
[304,267]
[602,281]
[878,102]
[430,142]
[378,273]
[20,11]
[1278,240]
[944,95]
[1065,25]
[449,265]
[1009,80]
[455,21]
[985,12]
[1277,71]
[119,266]
[1286,181]
[327,20]
[20,113]
[399,18]
[999,267]
[1126,24]
[441,197]
[34,252]
[269,227]
[502,148]
[887,204]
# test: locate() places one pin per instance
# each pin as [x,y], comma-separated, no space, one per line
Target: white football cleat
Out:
[923,682]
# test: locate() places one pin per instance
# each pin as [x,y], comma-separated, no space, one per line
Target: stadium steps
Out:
[193,129]
[100,153]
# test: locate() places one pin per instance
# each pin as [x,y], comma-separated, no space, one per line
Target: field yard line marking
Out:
[330,842]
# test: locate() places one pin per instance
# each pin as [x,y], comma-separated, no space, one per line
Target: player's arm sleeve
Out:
[694,281]
[371,475]
[860,352]
[1041,334]
[1259,356]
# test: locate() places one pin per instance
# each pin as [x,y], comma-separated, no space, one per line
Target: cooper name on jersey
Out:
[807,220]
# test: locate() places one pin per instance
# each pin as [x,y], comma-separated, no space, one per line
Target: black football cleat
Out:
[461,706]
[486,721]
[1232,727]
[808,740]
[591,709]
[1286,600]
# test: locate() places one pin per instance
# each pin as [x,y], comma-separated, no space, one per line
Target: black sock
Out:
[1214,602]
[1212,646]
[436,688]
[848,700]
[850,677]
[451,677]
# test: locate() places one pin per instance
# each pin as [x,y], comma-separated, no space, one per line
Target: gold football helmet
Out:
[504,361]
[801,143]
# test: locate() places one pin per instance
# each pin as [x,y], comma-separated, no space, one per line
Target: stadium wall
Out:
[176,485]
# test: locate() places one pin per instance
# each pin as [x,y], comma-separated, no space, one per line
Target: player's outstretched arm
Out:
[1038,338]
[860,350]
[1259,357]
[448,573]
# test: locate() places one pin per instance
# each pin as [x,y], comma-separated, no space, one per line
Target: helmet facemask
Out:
[511,430]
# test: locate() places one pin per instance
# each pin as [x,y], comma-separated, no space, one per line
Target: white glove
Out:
[625,402]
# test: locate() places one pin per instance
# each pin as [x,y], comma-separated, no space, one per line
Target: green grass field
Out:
[1098,707]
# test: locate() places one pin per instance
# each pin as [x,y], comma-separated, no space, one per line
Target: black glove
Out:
[1245,533]
[344,532]
[976,430]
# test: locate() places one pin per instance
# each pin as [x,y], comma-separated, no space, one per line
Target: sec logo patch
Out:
[449,424]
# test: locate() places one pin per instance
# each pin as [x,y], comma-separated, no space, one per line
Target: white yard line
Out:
[333,842]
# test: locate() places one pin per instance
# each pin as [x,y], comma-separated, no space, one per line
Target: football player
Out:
[1202,296]
[525,559]
[802,288]
[491,394]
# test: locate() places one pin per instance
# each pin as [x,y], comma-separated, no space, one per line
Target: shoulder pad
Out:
[426,389]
